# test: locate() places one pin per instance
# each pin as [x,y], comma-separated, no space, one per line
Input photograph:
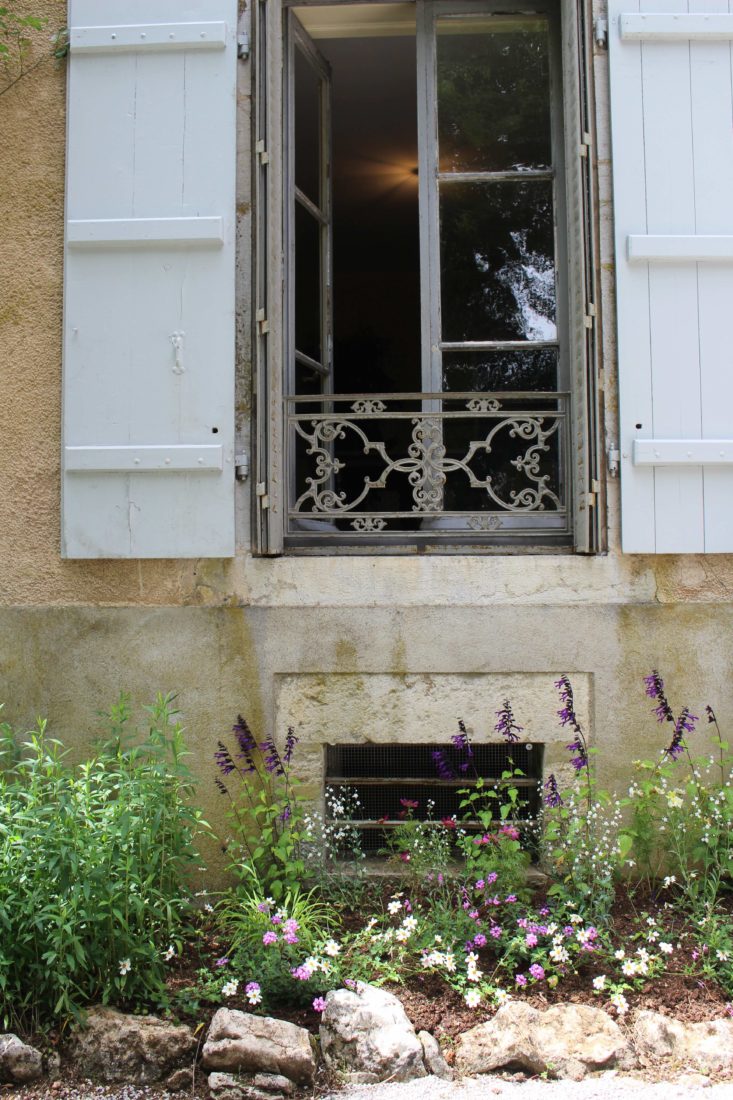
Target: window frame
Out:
[576,251]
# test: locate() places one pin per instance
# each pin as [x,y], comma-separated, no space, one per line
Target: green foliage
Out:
[266,811]
[419,848]
[94,862]
[14,40]
[495,848]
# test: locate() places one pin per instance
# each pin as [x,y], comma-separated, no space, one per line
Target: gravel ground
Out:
[608,1086]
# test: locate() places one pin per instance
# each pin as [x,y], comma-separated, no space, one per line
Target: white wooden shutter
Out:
[672,130]
[148,418]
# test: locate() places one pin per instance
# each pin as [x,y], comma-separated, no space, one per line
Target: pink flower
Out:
[291,925]
[223,961]
[405,857]
[474,915]
[319,1004]
[479,940]
[495,931]
[537,972]
[290,937]
[492,877]
[520,979]
[530,939]
[269,938]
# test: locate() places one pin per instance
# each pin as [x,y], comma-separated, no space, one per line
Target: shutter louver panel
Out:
[148,419]
[672,148]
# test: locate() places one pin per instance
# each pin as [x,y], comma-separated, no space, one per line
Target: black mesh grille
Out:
[383,774]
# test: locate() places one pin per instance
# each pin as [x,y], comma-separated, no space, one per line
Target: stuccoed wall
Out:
[343,648]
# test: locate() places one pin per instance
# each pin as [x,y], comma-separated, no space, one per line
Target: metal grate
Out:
[383,774]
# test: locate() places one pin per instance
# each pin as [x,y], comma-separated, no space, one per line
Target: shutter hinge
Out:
[585,144]
[592,496]
[263,325]
[614,460]
[261,493]
[590,315]
[262,152]
[243,35]
[241,466]
[600,29]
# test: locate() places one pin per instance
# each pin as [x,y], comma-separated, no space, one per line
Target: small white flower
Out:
[674,799]
[665,948]
[575,918]
[331,948]
[230,988]
[169,953]
[254,996]
[394,907]
[620,954]
[630,968]
[722,955]
[501,997]
[401,935]
[409,924]
[473,998]
[668,881]
[209,907]
[125,966]
[619,1002]
[599,982]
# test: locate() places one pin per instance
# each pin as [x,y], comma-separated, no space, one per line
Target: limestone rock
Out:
[241,1041]
[138,1049]
[366,1035]
[710,1046]
[18,1061]
[706,1046]
[657,1036]
[435,1063]
[225,1086]
[273,1082]
[566,1040]
[180,1079]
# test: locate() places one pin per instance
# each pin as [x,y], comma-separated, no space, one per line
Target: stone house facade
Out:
[388,631]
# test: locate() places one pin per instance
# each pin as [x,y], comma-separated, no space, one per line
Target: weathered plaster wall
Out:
[340,646]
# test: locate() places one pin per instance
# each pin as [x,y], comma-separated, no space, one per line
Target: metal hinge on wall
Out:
[600,30]
[243,28]
[261,493]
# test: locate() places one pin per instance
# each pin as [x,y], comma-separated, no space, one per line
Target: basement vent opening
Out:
[381,775]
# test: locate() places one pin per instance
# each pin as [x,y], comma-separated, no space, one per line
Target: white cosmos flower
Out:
[473,998]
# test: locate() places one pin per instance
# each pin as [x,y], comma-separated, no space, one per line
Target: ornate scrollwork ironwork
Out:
[512,465]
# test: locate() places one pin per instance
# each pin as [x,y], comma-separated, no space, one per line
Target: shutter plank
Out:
[669,156]
[632,293]
[684,99]
[712,110]
[149,314]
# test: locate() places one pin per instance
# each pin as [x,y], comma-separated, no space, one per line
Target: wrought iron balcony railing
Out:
[427,467]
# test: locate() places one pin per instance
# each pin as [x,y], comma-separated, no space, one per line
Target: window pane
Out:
[491,371]
[493,93]
[307,283]
[307,94]
[497,261]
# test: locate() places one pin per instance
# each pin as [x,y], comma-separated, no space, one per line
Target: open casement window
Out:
[425,352]
[671,112]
